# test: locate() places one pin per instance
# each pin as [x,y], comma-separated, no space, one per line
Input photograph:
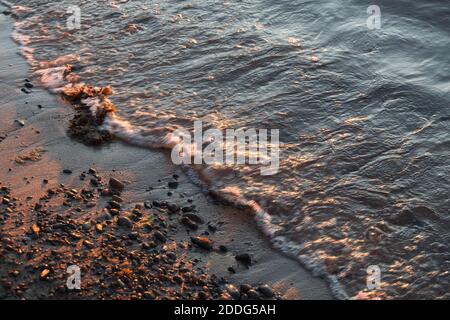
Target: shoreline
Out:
[36,148]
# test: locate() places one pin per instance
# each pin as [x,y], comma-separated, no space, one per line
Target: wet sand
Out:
[55,213]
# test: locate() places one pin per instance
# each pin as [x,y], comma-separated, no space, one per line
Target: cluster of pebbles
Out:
[124,251]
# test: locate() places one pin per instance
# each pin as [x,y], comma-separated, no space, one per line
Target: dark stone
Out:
[188,209]
[253,294]
[114,205]
[244,258]
[173,184]
[266,291]
[194,218]
[67,171]
[189,223]
[233,292]
[173,208]
[159,237]
[125,222]
[245,287]
[116,184]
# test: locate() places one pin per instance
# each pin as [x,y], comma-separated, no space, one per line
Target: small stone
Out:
[35,230]
[202,242]
[117,199]
[194,217]
[44,274]
[125,222]
[173,184]
[88,244]
[253,294]
[233,291]
[106,193]
[116,184]
[266,291]
[245,287]
[189,223]
[159,237]
[188,209]
[99,227]
[244,258]
[67,171]
[28,85]
[223,248]
[114,205]
[105,216]
[20,122]
[147,204]
[173,208]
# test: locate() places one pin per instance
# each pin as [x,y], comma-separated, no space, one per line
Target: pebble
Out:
[44,274]
[188,209]
[20,122]
[266,291]
[189,223]
[194,217]
[116,184]
[147,204]
[67,171]
[253,294]
[117,199]
[99,227]
[115,205]
[159,236]
[125,222]
[233,291]
[244,258]
[173,184]
[245,287]
[173,208]
[202,242]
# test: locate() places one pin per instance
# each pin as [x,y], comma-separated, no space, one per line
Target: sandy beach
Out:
[149,233]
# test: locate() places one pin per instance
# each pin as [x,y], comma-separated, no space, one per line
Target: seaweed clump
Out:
[92,107]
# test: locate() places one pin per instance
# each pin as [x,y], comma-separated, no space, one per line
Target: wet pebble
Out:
[125,222]
[116,184]
[244,258]
[202,242]
[266,291]
[233,291]
[159,236]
